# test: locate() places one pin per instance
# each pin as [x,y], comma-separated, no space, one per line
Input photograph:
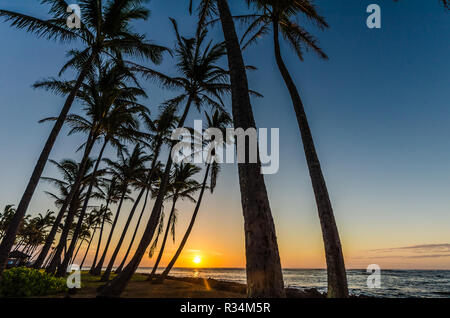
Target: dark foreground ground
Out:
[176,287]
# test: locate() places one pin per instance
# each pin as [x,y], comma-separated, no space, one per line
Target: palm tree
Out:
[264,276]
[112,109]
[161,129]
[84,236]
[202,81]
[280,16]
[5,219]
[74,207]
[105,29]
[218,120]
[112,194]
[130,172]
[181,187]
[95,221]
[69,171]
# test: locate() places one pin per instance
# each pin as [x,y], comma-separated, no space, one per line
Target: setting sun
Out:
[197,260]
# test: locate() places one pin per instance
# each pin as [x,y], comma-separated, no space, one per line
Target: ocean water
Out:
[394,283]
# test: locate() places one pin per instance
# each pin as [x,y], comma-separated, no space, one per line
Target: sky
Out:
[378,109]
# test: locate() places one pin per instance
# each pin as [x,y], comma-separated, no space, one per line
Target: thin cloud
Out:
[417,248]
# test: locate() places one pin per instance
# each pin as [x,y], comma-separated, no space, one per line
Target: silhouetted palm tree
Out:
[129,171]
[202,81]
[182,186]
[5,219]
[95,221]
[112,194]
[160,132]
[280,16]
[112,110]
[74,207]
[264,276]
[221,121]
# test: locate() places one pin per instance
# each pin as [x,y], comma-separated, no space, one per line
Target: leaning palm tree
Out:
[85,235]
[182,186]
[112,110]
[73,209]
[95,220]
[264,275]
[218,120]
[203,83]
[105,29]
[69,170]
[280,16]
[160,132]
[130,171]
[111,194]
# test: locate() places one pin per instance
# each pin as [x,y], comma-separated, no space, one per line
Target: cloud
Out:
[418,248]
[411,252]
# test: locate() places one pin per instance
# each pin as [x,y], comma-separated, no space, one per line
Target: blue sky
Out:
[379,112]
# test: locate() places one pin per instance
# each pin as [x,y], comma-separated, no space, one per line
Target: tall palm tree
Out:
[105,29]
[160,131]
[130,171]
[181,187]
[280,15]
[84,236]
[95,221]
[264,275]
[111,109]
[218,120]
[149,184]
[202,81]
[69,170]
[112,194]
[85,170]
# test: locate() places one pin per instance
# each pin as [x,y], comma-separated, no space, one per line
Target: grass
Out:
[139,287]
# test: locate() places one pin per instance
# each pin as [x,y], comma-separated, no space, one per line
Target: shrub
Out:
[27,282]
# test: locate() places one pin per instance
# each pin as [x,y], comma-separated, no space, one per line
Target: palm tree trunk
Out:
[87,249]
[163,244]
[63,268]
[99,239]
[76,253]
[188,231]
[98,268]
[8,240]
[149,180]
[50,257]
[107,273]
[62,243]
[115,287]
[264,276]
[337,278]
[119,269]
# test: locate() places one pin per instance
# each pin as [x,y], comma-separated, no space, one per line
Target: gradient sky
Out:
[379,112]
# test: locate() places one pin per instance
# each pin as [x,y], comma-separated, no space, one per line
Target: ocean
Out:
[394,283]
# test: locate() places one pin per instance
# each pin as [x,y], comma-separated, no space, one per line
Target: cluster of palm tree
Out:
[110,60]
[32,233]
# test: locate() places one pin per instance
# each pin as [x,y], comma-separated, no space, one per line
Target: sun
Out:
[197,259]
